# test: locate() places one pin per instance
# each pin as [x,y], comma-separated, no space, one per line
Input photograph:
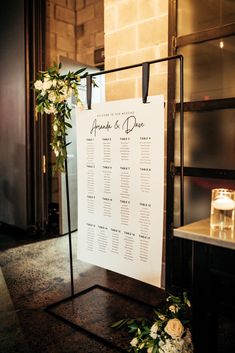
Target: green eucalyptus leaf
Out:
[78,72]
[155,349]
[119,323]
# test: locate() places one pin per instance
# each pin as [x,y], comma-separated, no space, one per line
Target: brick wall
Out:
[60,30]
[90,29]
[136,31]
[74,29]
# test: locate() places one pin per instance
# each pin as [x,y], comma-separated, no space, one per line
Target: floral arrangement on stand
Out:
[53,91]
[168,332]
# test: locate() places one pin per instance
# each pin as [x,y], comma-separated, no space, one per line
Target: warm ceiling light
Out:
[221,44]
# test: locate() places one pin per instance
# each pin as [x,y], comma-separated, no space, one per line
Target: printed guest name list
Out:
[120,187]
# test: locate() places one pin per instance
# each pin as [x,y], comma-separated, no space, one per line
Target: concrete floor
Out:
[37,274]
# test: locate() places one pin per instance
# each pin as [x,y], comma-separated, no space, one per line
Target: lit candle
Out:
[224,204]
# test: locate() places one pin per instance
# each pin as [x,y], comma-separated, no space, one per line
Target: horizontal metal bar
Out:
[88,332]
[206,172]
[169,58]
[209,34]
[206,105]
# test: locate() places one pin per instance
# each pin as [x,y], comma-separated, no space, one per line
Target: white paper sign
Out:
[120,187]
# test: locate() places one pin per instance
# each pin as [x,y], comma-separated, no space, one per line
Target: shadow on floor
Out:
[36,275]
[11,237]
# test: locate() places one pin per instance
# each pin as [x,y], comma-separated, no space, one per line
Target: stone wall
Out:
[89,29]
[135,31]
[74,29]
[60,30]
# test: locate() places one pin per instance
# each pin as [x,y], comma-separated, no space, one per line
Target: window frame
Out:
[183,261]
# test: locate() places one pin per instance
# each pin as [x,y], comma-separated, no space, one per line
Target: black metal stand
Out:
[51,309]
[69,227]
[145,85]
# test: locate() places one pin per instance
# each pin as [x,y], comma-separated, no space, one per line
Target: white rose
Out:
[66,92]
[47,111]
[52,97]
[174,328]
[172,345]
[153,331]
[47,84]
[61,83]
[153,335]
[134,342]
[62,98]
[54,82]
[50,110]
[174,308]
[38,84]
[149,350]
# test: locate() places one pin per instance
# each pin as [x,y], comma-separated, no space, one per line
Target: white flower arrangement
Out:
[53,91]
[168,332]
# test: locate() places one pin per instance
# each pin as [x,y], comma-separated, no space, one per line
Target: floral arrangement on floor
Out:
[53,91]
[168,332]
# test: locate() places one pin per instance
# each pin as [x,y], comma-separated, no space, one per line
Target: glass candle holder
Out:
[222,209]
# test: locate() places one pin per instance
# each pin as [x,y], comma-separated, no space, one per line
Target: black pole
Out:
[181,141]
[69,226]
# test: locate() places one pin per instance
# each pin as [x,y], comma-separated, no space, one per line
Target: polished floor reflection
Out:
[35,275]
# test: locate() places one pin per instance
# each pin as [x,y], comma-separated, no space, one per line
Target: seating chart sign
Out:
[121,186]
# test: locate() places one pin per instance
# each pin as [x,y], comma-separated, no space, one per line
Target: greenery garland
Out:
[53,92]
[168,332]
